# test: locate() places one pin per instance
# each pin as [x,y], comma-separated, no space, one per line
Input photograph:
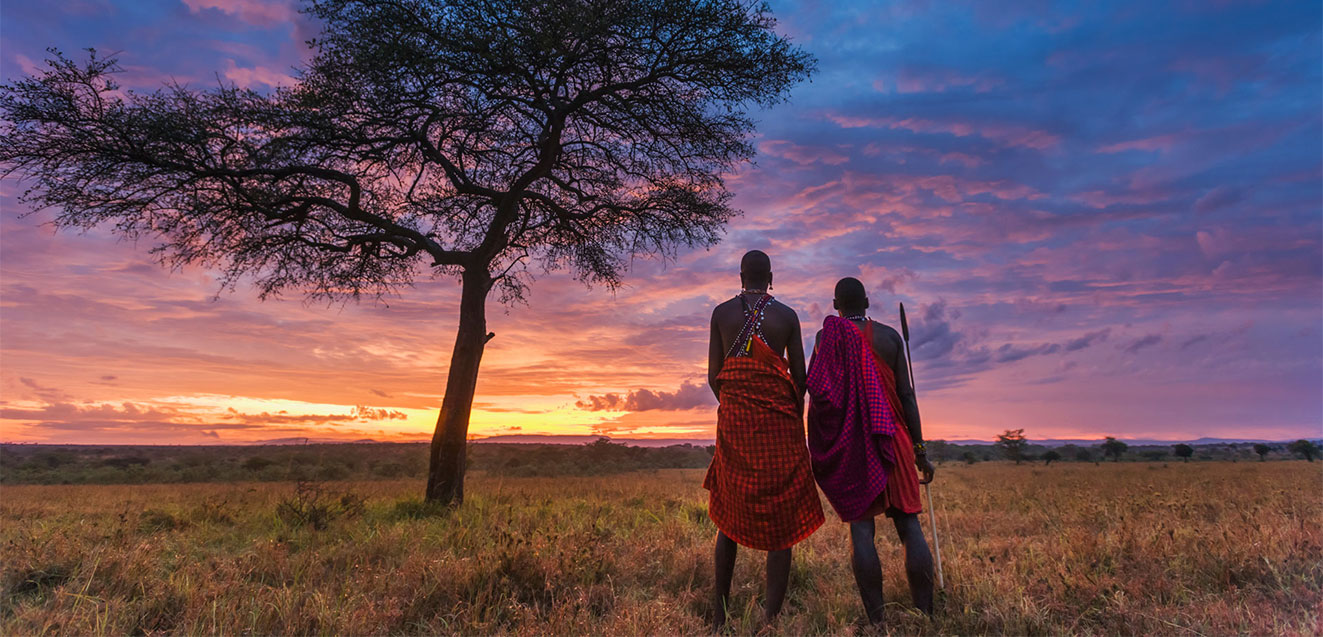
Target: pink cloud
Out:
[969,161]
[256,12]
[86,7]
[26,63]
[1215,242]
[1011,135]
[1100,199]
[1220,241]
[1221,71]
[951,188]
[1218,197]
[802,155]
[250,77]
[1160,143]
[911,80]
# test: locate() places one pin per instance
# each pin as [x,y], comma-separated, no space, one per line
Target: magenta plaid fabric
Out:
[849,406]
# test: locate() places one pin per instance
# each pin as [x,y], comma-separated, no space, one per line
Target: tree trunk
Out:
[446,463]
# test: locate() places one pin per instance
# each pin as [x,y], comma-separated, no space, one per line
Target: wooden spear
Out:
[932,514]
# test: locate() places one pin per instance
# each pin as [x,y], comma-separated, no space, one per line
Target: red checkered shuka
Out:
[760,482]
[902,490]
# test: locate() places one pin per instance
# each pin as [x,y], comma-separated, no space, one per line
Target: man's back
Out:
[890,349]
[780,329]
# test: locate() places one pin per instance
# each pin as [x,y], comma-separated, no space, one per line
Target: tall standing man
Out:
[760,482]
[866,443]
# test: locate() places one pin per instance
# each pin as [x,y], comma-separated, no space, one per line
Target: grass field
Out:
[1131,548]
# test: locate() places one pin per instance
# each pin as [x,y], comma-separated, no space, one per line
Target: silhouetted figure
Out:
[760,482]
[866,442]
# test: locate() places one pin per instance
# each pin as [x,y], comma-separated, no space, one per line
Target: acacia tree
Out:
[471,139]
[1306,448]
[1013,444]
[1113,448]
[1183,451]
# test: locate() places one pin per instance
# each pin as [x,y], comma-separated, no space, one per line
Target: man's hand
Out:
[921,461]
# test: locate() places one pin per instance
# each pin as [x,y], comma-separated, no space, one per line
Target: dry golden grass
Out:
[1179,549]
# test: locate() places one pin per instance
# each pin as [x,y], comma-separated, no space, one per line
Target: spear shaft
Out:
[932,513]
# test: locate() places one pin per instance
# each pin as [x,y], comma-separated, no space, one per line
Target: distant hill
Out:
[311,441]
[541,439]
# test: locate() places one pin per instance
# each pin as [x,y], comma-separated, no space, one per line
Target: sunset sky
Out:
[1104,220]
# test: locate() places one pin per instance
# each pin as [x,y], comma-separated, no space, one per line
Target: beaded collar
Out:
[753,325]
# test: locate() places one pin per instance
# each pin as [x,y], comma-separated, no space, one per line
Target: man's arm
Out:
[905,390]
[795,355]
[715,356]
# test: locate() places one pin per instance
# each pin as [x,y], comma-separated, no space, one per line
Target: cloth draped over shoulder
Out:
[861,451]
[760,481]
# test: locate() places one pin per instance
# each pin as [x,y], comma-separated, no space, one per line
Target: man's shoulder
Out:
[727,303]
[777,306]
[725,307]
[885,330]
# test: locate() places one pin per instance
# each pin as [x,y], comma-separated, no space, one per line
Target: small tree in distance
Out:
[462,139]
[1012,444]
[1305,448]
[1262,450]
[1113,448]
[1050,456]
[1183,451]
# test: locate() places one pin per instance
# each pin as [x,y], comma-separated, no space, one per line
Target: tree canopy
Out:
[1013,444]
[1305,448]
[450,133]
[1113,448]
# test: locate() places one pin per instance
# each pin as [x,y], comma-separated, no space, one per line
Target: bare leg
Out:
[867,569]
[918,561]
[725,565]
[778,579]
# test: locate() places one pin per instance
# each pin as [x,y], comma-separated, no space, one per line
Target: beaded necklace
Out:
[753,325]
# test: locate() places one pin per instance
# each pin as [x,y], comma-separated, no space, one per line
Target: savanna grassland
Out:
[1207,548]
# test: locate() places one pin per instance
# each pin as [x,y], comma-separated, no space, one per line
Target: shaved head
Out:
[755,262]
[756,269]
[850,295]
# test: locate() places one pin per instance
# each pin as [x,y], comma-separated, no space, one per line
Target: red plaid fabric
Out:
[760,483]
[902,492]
